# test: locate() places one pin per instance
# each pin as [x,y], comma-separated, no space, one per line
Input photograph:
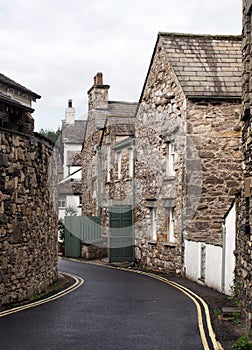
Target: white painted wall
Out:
[213,263]
[69,147]
[213,266]
[229,247]
[73,201]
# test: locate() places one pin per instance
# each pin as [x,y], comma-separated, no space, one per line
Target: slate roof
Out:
[11,83]
[74,133]
[71,186]
[121,125]
[13,103]
[74,158]
[122,109]
[118,109]
[206,65]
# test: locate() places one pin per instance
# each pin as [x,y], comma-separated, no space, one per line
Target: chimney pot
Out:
[99,79]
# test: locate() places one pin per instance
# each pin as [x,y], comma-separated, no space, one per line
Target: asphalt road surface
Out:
[112,310]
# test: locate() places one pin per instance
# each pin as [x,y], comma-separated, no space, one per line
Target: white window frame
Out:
[171,224]
[170,159]
[61,201]
[154,223]
[108,162]
[119,165]
[131,162]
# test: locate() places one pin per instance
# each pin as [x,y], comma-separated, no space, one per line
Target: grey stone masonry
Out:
[28,216]
[188,145]
[244,236]
[28,199]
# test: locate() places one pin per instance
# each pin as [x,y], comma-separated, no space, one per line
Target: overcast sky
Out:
[55,47]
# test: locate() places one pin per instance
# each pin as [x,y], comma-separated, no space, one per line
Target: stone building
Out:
[109,123]
[28,199]
[72,136]
[244,252]
[188,158]
[100,109]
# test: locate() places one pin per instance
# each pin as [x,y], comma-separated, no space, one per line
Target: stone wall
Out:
[28,215]
[244,237]
[160,120]
[207,166]
[214,130]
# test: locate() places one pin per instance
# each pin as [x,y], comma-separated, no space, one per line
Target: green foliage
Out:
[243,343]
[54,136]
[217,312]
[71,211]
[233,297]
[61,229]
[237,317]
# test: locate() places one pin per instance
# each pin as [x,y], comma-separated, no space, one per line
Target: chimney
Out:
[70,113]
[98,94]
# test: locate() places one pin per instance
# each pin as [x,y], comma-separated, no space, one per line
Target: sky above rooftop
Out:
[55,47]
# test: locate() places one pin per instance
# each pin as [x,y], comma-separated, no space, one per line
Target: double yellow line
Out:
[198,301]
[78,281]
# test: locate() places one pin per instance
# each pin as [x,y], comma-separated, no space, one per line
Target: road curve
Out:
[113,309]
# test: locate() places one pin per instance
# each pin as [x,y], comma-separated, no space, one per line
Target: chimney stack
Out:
[98,94]
[70,113]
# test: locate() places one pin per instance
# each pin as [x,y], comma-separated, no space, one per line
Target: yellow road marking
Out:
[78,282]
[193,296]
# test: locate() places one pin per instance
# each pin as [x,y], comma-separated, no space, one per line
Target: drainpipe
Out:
[182,216]
[99,178]
[223,265]
[133,193]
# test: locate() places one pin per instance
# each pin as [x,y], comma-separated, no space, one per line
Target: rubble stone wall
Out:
[207,166]
[214,130]
[28,216]
[160,120]
[244,237]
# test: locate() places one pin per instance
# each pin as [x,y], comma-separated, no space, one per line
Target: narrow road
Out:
[112,310]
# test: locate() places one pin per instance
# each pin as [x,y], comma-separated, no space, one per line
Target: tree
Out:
[54,136]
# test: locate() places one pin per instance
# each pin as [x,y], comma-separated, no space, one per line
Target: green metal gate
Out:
[80,229]
[121,236]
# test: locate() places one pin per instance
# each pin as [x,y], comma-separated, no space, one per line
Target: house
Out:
[108,123]
[28,199]
[117,195]
[243,285]
[72,136]
[16,105]
[188,155]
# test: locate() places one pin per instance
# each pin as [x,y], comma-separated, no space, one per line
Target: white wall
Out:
[69,147]
[229,247]
[213,263]
[73,201]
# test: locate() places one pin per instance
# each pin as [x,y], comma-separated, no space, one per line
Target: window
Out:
[170,159]
[62,203]
[131,162]
[154,223]
[170,224]
[108,163]
[119,165]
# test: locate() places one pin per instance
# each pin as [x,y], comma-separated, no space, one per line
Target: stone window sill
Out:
[152,242]
[169,178]
[169,244]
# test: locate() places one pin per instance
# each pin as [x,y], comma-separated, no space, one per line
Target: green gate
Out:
[80,229]
[121,236]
